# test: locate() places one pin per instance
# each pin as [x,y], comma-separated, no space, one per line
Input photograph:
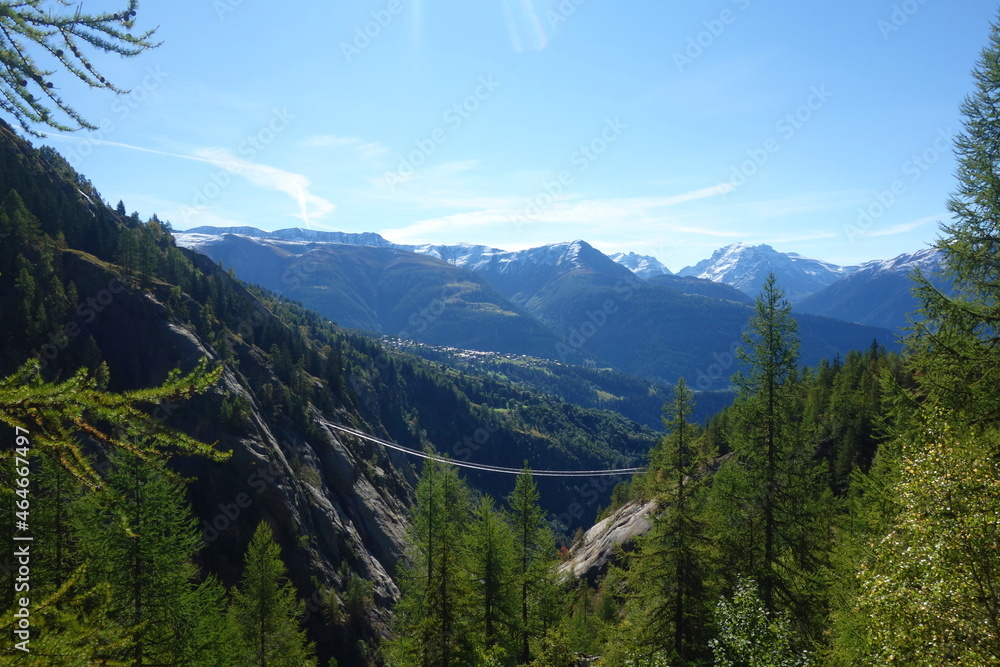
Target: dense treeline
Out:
[479,587]
[845,515]
[744,562]
[111,578]
[69,266]
[841,515]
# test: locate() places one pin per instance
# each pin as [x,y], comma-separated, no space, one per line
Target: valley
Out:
[565,302]
[514,334]
[558,356]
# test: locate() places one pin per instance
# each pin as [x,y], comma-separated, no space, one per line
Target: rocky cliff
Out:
[589,558]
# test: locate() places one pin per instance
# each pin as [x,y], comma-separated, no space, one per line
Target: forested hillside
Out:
[87,289]
[602,388]
[199,471]
[845,515]
[838,515]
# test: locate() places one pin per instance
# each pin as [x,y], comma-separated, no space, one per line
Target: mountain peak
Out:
[928,260]
[879,292]
[644,266]
[745,267]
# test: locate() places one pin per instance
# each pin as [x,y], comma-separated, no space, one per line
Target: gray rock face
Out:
[590,558]
[337,507]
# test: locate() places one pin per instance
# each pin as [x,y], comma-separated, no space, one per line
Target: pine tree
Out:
[491,561]
[147,254]
[72,627]
[49,29]
[19,223]
[534,554]
[24,284]
[771,351]
[128,252]
[957,342]
[668,605]
[53,413]
[582,624]
[139,537]
[929,590]
[266,609]
[432,619]
[54,491]
[771,490]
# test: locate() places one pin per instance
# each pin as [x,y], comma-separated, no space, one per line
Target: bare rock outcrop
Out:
[589,558]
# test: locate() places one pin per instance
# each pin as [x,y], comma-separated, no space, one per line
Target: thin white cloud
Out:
[905,227]
[443,189]
[367,149]
[296,186]
[330,140]
[703,193]
[584,216]
[104,142]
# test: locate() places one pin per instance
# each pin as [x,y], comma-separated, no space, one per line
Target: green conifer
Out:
[266,610]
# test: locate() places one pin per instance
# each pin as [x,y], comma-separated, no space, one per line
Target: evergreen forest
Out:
[173,490]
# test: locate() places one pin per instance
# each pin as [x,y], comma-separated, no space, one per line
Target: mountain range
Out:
[878,293]
[83,286]
[738,265]
[290,377]
[567,302]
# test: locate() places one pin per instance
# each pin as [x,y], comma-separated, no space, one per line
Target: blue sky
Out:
[668,129]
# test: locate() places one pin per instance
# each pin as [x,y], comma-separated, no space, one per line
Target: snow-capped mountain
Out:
[563,301]
[522,274]
[928,261]
[878,292]
[517,273]
[192,236]
[462,255]
[745,267]
[644,266]
[478,258]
